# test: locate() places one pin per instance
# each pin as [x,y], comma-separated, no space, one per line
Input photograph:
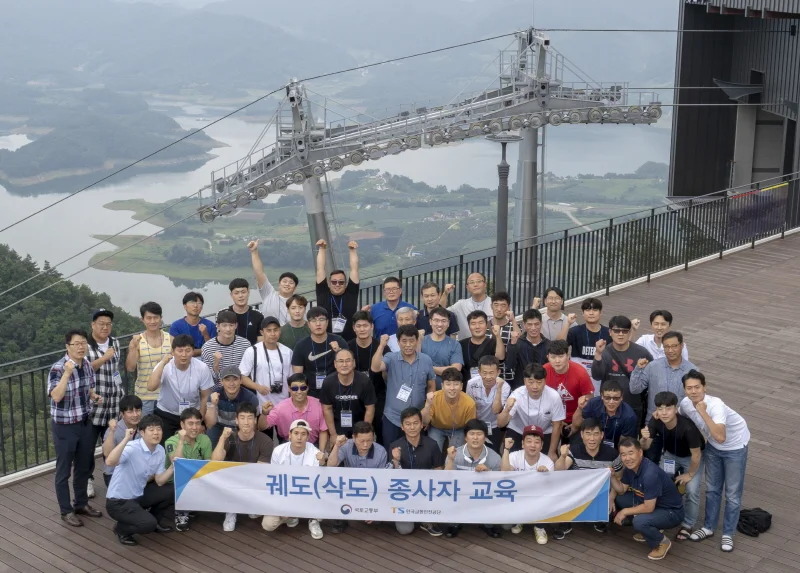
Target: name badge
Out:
[473,372]
[320,378]
[490,430]
[405,393]
[182,405]
[346,417]
[668,466]
[337,324]
[609,444]
[117,378]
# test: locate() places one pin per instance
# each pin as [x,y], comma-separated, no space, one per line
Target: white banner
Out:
[392,495]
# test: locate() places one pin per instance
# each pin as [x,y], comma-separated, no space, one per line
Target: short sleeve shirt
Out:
[180,326]
[427,455]
[571,385]
[443,353]
[483,402]
[520,464]
[606,457]
[257,449]
[248,324]
[226,407]
[363,357]
[343,306]
[624,422]
[583,341]
[200,450]
[181,388]
[678,441]
[472,353]
[446,417]
[542,412]
[384,317]
[376,457]
[317,360]
[651,482]
[352,399]
[488,457]
[406,384]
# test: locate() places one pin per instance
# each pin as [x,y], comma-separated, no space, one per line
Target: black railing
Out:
[581,260]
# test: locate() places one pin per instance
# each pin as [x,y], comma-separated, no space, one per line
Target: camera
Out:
[276,387]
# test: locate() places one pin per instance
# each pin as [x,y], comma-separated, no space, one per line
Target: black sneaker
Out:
[181,522]
[601,527]
[451,532]
[562,531]
[432,529]
[491,531]
[338,526]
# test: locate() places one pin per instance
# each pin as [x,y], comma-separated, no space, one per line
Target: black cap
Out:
[267,320]
[102,312]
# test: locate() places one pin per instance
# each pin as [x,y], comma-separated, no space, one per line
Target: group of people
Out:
[462,386]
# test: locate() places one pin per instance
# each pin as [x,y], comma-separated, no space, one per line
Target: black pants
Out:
[495,441]
[170,423]
[518,441]
[99,432]
[132,515]
[74,455]
[390,433]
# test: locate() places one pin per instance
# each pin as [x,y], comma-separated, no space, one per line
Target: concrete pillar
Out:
[744,145]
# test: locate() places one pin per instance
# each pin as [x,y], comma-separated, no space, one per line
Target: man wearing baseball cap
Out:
[224,401]
[298,451]
[529,458]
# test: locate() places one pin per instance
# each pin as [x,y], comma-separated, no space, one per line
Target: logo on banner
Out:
[346,509]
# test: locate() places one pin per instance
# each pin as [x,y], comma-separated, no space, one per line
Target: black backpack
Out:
[754,521]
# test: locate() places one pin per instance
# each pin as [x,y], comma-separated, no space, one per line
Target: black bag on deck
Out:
[754,521]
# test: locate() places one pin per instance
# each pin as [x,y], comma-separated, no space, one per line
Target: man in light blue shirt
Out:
[131,490]
[444,351]
[663,374]
[409,377]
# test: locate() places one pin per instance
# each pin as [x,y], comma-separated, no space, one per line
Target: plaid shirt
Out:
[110,389]
[76,405]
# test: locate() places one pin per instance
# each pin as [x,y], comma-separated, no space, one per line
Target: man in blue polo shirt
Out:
[383,312]
[224,401]
[200,329]
[648,495]
[409,377]
[615,416]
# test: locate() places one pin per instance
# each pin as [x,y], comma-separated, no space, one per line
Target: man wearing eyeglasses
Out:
[71,387]
[617,418]
[616,362]
[383,313]
[338,295]
[313,356]
[348,397]
[553,318]
[478,300]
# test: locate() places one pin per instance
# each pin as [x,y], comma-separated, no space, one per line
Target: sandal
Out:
[683,535]
[700,534]
[727,543]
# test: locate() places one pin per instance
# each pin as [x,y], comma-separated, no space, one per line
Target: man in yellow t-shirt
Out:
[448,410]
[145,352]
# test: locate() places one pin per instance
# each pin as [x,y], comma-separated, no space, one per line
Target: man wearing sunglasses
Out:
[299,406]
[616,362]
[338,295]
[617,418]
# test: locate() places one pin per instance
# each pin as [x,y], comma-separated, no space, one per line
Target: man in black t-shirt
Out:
[248,319]
[313,356]
[363,347]
[338,295]
[479,344]
[682,445]
[347,397]
[583,338]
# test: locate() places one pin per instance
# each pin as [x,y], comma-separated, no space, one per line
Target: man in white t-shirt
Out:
[273,302]
[185,382]
[296,452]
[489,392]
[479,300]
[534,404]
[660,322]
[725,456]
[267,365]
[529,458]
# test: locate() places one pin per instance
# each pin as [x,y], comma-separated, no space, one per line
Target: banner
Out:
[392,495]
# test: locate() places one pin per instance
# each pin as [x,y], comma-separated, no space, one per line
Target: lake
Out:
[66,229]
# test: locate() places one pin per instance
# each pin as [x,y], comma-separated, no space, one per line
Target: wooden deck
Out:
[741,319]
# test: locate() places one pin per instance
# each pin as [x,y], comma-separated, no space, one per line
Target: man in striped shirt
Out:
[145,352]
[226,348]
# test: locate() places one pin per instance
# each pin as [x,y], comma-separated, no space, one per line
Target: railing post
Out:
[650,241]
[460,274]
[608,256]
[686,239]
[724,241]
[564,255]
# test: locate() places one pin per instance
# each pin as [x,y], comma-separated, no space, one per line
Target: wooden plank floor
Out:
[741,319]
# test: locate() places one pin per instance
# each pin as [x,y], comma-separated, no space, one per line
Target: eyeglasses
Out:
[612,398]
[391,289]
[337,283]
[620,330]
[103,324]
[318,319]
[671,346]
[439,321]
[78,344]
[302,388]
[475,282]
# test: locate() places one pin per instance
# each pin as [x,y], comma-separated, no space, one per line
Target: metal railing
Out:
[580,261]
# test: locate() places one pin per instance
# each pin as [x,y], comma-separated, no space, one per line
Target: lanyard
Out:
[314,352]
[605,421]
[341,393]
[453,412]
[269,362]
[338,307]
[538,409]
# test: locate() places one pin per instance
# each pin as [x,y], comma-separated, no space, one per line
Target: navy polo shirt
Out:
[623,423]
[384,319]
[651,482]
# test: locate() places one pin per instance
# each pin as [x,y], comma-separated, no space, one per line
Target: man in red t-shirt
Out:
[569,379]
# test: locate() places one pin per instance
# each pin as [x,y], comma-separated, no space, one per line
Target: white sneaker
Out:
[253,516]
[230,522]
[517,528]
[541,535]
[314,528]
[292,521]
[90,488]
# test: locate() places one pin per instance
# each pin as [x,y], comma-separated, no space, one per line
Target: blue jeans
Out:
[390,434]
[691,502]
[456,437]
[724,468]
[650,524]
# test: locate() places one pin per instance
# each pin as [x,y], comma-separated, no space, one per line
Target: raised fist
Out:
[509,443]
[320,457]
[496,331]
[384,339]
[135,340]
[582,401]
[334,346]
[341,440]
[564,450]
[366,307]
[600,346]
[701,407]
[203,329]
[112,425]
[429,396]
[69,366]
[536,302]
[217,356]
[396,454]
[448,288]
[542,469]
[166,358]
[572,317]
[451,452]
[109,354]
[635,323]
[352,245]
[129,433]
[266,407]
[645,433]
[514,337]
[181,434]
[499,383]
[322,244]
[510,403]
[642,363]
[226,433]
[215,398]
[252,246]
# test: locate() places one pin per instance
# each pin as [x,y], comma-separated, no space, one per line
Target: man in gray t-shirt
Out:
[473,456]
